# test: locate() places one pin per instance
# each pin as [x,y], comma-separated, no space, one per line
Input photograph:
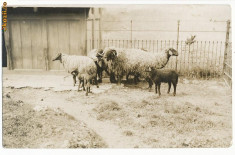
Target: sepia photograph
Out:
[117,76]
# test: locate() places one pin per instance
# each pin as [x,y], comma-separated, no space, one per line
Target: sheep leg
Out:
[75,74]
[174,84]
[169,87]
[127,76]
[100,76]
[87,87]
[96,83]
[83,84]
[79,84]
[156,87]
[150,82]
[136,80]
[159,92]
[107,72]
[112,78]
[119,80]
[74,80]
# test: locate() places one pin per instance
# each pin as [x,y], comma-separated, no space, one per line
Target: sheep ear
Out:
[170,51]
[58,57]
[115,52]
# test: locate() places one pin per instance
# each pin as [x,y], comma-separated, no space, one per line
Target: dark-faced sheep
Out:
[135,61]
[163,75]
[97,56]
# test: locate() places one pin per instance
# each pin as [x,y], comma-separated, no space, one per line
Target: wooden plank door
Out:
[26,42]
[64,36]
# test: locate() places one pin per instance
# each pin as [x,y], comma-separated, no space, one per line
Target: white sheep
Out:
[83,66]
[135,61]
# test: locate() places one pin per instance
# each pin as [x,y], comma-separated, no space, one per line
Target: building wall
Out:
[34,40]
[159,22]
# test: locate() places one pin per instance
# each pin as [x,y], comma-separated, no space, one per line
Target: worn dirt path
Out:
[111,133]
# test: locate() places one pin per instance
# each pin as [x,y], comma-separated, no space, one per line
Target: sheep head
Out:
[99,53]
[110,54]
[99,56]
[172,52]
[100,59]
[58,57]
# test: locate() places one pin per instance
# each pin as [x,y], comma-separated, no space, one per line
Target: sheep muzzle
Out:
[173,52]
[58,57]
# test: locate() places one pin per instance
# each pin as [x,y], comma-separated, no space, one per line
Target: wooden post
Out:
[8,48]
[177,43]
[44,44]
[85,24]
[131,33]
[92,29]
[100,28]
[226,44]
[93,33]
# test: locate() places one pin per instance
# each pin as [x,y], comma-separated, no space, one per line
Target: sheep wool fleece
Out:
[136,60]
[83,64]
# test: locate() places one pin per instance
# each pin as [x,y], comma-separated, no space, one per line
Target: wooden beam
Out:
[228,65]
[8,47]
[85,24]
[177,42]
[100,28]
[226,43]
[93,34]
[225,73]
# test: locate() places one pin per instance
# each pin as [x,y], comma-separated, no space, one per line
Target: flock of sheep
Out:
[118,62]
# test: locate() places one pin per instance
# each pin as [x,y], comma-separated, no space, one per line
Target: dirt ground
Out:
[126,116]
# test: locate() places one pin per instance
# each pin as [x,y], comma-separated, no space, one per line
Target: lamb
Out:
[163,75]
[81,66]
[80,80]
[135,61]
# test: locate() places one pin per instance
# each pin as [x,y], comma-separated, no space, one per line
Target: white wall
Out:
[164,17]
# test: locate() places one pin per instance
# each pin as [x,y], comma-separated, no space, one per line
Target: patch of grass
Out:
[198,72]
[108,106]
[107,110]
[23,127]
